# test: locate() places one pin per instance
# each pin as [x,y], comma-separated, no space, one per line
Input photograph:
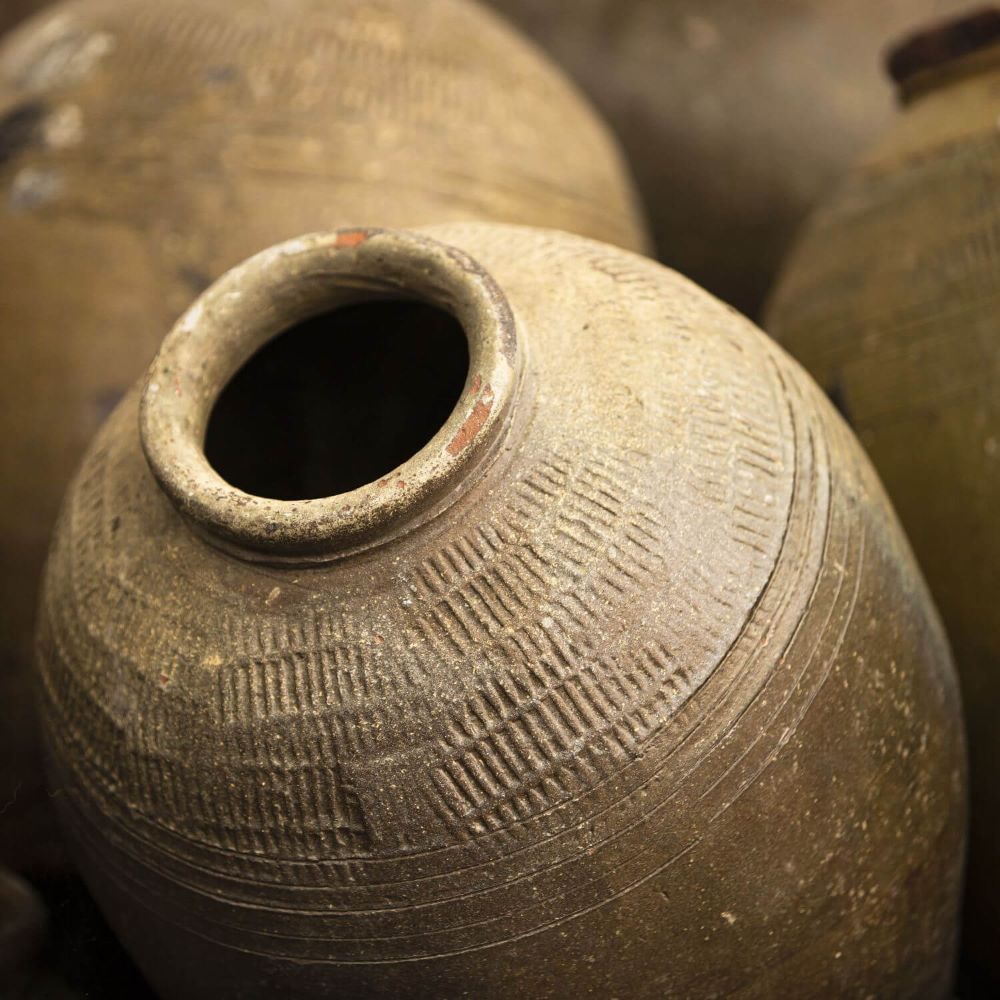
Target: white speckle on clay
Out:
[59,54]
[33,187]
[63,128]
[193,316]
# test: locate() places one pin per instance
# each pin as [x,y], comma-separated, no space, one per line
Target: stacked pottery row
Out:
[455,608]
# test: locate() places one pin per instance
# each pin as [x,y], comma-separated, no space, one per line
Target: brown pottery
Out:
[146,146]
[891,301]
[737,115]
[488,612]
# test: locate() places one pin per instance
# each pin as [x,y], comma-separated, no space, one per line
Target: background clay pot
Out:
[737,115]
[623,684]
[890,300]
[147,146]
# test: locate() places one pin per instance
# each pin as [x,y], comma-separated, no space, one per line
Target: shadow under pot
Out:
[481,611]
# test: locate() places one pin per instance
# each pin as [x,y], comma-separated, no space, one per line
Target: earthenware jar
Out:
[890,300]
[737,117]
[482,611]
[147,146]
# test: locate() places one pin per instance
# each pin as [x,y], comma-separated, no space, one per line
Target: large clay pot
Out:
[890,299]
[147,146]
[736,115]
[554,640]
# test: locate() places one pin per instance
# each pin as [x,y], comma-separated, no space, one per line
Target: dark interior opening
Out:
[338,401]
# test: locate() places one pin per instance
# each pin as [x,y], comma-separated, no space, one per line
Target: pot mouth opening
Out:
[330,393]
[339,400]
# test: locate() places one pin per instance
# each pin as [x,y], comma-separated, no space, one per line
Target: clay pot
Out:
[889,301]
[736,116]
[556,639]
[147,146]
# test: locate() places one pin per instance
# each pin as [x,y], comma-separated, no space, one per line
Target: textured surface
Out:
[891,300]
[145,147]
[659,706]
[736,116]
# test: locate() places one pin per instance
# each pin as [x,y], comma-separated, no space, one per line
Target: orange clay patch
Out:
[352,238]
[473,423]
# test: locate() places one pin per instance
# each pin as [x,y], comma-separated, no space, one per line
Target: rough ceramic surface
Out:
[737,116]
[626,684]
[890,300]
[147,146]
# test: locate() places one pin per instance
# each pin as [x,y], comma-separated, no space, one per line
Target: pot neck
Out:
[268,294]
[946,52]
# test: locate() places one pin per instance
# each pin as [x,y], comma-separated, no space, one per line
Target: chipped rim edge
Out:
[266,295]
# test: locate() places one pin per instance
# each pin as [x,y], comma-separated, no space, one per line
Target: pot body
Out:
[890,301]
[737,117]
[147,147]
[656,706]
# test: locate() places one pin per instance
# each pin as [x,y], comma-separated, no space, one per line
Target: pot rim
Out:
[266,295]
[944,50]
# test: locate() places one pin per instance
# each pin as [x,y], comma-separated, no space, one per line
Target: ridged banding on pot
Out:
[890,300]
